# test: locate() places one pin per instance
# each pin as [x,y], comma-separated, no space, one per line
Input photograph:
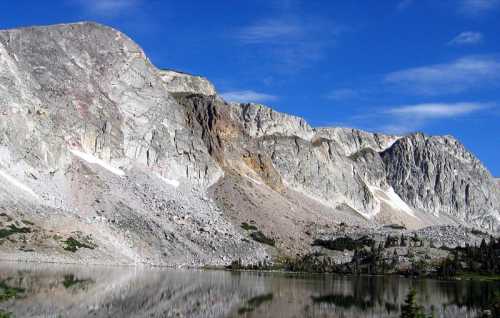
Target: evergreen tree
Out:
[395,259]
[403,240]
[388,241]
[431,244]
[410,309]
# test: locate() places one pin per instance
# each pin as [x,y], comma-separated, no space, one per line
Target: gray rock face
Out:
[96,143]
[92,141]
[177,82]
[259,121]
[437,174]
[89,87]
[354,140]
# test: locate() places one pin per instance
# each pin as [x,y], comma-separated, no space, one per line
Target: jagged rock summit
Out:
[106,159]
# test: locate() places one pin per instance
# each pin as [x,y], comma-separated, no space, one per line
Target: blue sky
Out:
[392,66]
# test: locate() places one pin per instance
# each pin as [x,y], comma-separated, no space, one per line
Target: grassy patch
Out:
[5,314]
[255,302]
[12,229]
[479,277]
[258,236]
[72,245]
[8,292]
[395,226]
[248,227]
[28,222]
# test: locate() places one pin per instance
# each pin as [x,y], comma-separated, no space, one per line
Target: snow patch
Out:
[390,143]
[172,182]
[496,216]
[94,160]
[18,184]
[253,180]
[392,198]
[367,216]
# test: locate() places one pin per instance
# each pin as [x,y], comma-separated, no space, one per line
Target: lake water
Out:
[72,291]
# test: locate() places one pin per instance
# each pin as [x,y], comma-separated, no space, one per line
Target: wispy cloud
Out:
[467,38]
[404,4]
[403,119]
[248,96]
[342,94]
[292,42]
[478,7]
[408,118]
[436,110]
[271,31]
[108,8]
[454,77]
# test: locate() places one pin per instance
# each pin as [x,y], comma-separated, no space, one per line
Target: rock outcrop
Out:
[178,82]
[437,174]
[92,141]
[152,166]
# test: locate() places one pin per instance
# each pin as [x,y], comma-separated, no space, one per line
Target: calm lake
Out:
[45,290]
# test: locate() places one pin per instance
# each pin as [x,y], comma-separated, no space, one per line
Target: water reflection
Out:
[70,291]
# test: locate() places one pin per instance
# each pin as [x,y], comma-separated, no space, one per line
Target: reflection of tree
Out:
[387,293]
[255,302]
[342,301]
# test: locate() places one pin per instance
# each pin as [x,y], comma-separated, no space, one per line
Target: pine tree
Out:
[410,309]
[395,259]
[388,241]
[403,240]
[431,244]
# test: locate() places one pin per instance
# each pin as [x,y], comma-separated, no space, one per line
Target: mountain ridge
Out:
[152,166]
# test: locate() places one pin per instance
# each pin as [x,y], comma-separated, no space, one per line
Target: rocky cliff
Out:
[140,165]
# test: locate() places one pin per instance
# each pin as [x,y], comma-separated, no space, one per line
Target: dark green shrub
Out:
[73,245]
[344,243]
[12,229]
[248,227]
[258,236]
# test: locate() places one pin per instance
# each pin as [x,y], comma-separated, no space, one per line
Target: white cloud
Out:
[342,94]
[108,7]
[403,4]
[467,38]
[403,119]
[248,96]
[270,31]
[290,42]
[408,118]
[436,110]
[478,7]
[455,77]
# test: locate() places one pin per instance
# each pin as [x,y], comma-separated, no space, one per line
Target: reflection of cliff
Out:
[124,292]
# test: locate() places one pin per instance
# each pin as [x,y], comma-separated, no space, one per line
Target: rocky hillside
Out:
[106,159]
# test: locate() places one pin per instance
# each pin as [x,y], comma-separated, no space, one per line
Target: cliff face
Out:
[437,174]
[152,166]
[92,143]
[90,88]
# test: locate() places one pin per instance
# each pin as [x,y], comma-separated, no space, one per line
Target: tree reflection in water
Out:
[51,290]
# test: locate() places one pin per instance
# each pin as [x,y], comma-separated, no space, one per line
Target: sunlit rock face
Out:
[92,141]
[89,87]
[178,82]
[438,174]
[97,143]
